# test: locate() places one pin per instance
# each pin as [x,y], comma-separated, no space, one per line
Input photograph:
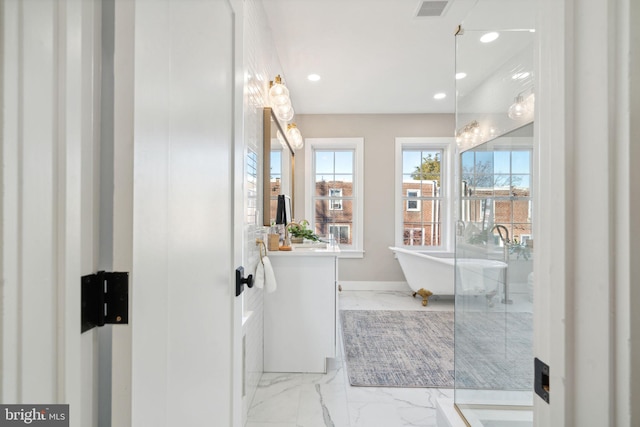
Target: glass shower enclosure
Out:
[494,229]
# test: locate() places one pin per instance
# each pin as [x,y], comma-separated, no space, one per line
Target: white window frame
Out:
[447,145]
[356,144]
[418,202]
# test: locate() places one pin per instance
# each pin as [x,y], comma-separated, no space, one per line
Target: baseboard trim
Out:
[374,286]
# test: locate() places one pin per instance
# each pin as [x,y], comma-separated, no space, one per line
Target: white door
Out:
[49,152]
[183,300]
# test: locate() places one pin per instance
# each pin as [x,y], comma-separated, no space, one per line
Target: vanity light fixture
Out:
[279,100]
[440,95]
[522,107]
[469,134]
[283,110]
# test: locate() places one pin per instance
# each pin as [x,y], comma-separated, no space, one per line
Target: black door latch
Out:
[241,280]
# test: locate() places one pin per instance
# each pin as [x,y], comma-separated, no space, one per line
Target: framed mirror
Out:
[273,174]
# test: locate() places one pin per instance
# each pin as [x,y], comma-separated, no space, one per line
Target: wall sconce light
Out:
[522,107]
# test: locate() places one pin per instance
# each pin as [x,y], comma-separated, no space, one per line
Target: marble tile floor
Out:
[328,400]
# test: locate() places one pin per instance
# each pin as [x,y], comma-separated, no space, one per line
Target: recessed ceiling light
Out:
[520,76]
[460,76]
[489,37]
[440,95]
[313,77]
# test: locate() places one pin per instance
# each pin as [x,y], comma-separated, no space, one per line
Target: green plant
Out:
[300,230]
[519,249]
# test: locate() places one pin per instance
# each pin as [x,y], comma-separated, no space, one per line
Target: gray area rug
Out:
[398,348]
[494,351]
[416,349]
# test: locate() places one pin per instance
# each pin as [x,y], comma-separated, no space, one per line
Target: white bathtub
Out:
[435,272]
[427,270]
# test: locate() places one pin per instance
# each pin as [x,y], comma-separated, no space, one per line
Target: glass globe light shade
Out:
[294,136]
[278,100]
[518,108]
[278,93]
[284,112]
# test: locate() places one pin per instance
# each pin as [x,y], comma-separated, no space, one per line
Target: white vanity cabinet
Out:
[300,317]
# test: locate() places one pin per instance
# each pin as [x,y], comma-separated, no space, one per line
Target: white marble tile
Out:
[390,414]
[327,400]
[324,406]
[277,399]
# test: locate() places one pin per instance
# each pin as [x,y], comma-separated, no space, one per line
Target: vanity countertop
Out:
[306,251]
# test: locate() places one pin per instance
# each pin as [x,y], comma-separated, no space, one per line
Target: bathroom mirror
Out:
[272,174]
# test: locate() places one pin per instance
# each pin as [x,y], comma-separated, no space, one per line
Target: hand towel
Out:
[269,276]
[259,276]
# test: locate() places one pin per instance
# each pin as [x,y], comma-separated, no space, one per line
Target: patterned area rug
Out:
[416,349]
[398,348]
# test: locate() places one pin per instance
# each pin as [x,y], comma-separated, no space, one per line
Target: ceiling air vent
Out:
[432,8]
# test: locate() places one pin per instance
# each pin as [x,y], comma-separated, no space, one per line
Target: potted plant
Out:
[299,232]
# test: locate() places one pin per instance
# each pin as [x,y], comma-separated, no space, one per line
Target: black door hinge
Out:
[105,299]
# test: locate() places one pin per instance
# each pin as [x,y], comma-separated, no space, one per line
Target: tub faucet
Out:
[505,243]
[505,237]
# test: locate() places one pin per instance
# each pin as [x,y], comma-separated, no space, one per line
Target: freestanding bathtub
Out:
[434,272]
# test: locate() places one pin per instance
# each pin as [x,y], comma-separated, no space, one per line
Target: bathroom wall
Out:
[379,132]
[261,65]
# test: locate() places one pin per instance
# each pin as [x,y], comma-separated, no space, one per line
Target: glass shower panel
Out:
[494,232]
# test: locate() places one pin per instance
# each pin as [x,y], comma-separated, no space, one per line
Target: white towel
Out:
[269,276]
[259,280]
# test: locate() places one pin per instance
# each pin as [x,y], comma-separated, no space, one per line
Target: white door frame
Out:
[586,248]
[50,137]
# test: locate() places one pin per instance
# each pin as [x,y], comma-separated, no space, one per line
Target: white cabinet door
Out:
[300,316]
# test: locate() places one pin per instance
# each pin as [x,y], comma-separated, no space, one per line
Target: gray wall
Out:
[379,132]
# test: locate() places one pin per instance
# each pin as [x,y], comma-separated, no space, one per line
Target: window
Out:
[334,193]
[422,207]
[496,189]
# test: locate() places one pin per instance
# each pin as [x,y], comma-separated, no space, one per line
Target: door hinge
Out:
[105,299]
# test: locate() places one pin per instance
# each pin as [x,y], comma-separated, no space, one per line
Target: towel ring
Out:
[261,245]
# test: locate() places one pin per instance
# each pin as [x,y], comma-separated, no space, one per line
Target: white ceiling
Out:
[373,56]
